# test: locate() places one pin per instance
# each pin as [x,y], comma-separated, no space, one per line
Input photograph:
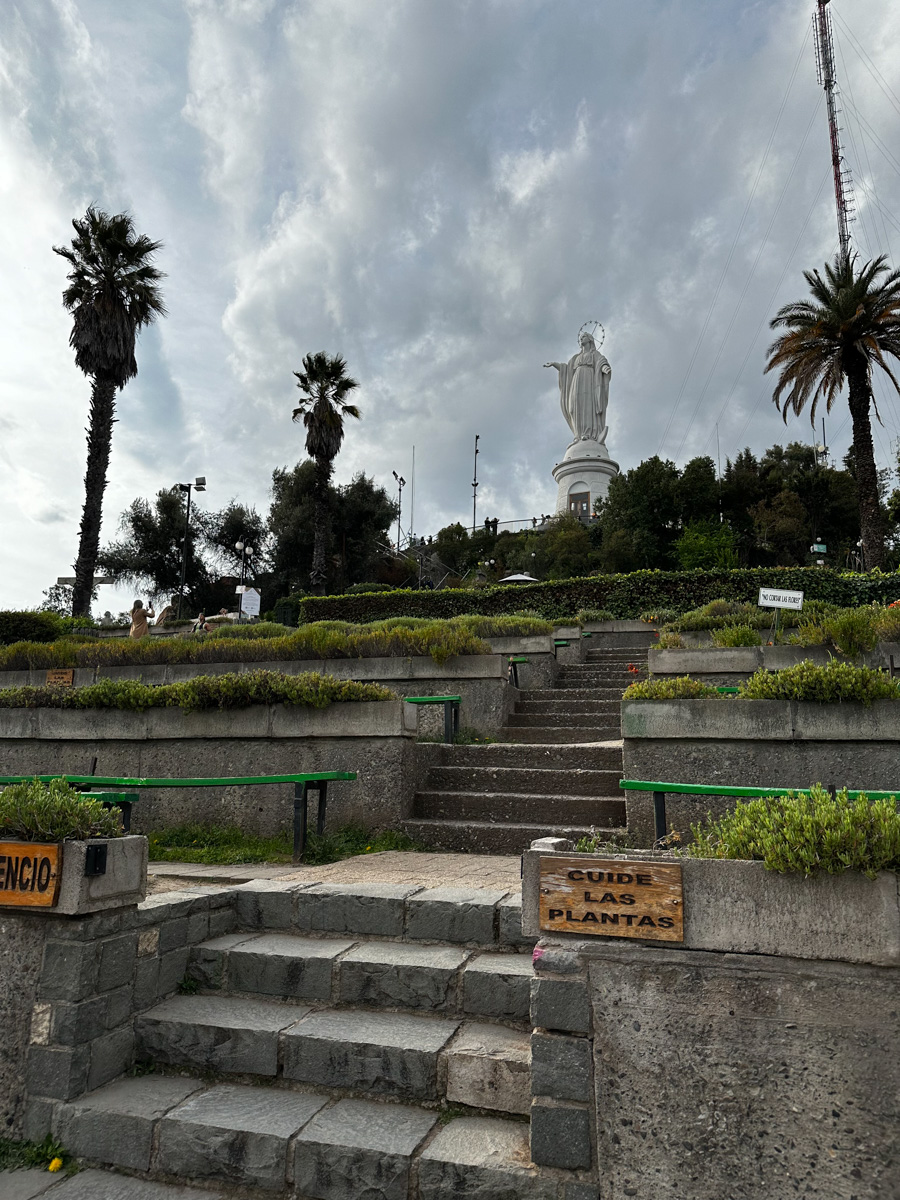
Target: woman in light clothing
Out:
[140,620]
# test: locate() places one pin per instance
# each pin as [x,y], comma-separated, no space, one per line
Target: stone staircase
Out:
[556,771]
[319,1052]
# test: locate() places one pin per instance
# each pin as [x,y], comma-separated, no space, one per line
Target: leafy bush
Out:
[587,616]
[887,624]
[261,629]
[680,688]
[852,630]
[736,635]
[29,627]
[829,684]
[660,616]
[626,596]
[670,641]
[54,812]
[721,614]
[205,692]
[810,834]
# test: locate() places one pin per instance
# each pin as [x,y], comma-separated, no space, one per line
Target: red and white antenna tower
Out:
[843,184]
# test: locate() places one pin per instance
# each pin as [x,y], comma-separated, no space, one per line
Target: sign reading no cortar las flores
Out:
[612,898]
[778,598]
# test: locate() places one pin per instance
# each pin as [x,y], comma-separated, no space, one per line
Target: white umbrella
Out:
[519,579]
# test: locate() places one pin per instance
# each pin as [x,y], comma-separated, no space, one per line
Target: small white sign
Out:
[250,602]
[775,598]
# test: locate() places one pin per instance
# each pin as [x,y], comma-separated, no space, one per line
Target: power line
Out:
[734,243]
[866,60]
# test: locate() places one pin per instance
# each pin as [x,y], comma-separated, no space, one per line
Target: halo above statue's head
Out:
[592,332]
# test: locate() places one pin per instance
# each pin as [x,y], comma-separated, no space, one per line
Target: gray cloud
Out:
[441,192]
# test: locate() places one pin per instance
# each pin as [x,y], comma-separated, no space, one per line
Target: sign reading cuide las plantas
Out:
[612,898]
[29,874]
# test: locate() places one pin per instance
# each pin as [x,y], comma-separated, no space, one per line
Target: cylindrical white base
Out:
[583,477]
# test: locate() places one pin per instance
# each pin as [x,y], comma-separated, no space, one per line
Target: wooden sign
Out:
[612,898]
[29,873]
[60,677]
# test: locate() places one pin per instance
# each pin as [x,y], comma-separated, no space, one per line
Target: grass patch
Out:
[226,845]
[18,1156]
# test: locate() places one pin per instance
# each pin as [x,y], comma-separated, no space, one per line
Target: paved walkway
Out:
[392,866]
[92,1185]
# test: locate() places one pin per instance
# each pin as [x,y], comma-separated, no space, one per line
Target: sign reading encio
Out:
[777,598]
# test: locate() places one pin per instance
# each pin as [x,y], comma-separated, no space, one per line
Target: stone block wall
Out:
[74,987]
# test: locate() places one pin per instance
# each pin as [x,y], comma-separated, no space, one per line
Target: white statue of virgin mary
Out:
[584,391]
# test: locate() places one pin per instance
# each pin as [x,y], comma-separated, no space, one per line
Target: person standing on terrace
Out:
[140,620]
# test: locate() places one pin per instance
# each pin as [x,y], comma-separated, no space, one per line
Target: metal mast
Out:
[843,189]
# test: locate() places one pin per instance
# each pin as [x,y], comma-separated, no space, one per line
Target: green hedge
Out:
[309,690]
[29,627]
[627,596]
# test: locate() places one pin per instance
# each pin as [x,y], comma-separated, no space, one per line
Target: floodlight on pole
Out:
[401,483]
[199,485]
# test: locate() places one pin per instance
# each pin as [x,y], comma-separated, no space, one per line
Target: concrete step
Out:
[565,720]
[571,695]
[559,735]
[536,781]
[565,706]
[274,1140]
[603,756]
[489,837]
[519,807]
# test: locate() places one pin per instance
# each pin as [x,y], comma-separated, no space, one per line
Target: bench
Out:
[660,790]
[316,781]
[451,711]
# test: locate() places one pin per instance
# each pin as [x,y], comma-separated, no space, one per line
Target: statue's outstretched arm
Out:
[557,365]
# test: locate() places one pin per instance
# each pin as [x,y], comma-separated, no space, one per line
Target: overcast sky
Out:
[442,191]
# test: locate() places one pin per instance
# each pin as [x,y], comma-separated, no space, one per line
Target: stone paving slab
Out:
[234,1135]
[115,1123]
[376,909]
[404,975]
[103,1185]
[224,1033]
[481,1158]
[25,1184]
[390,1053]
[488,1066]
[453,914]
[359,1148]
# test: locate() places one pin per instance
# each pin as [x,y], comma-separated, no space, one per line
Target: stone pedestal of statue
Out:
[583,476]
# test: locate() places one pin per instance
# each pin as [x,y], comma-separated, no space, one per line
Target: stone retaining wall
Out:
[733,664]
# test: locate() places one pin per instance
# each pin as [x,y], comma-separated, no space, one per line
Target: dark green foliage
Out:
[833,683]
[359,589]
[668,688]
[813,834]
[627,596]
[205,692]
[706,544]
[54,812]
[30,627]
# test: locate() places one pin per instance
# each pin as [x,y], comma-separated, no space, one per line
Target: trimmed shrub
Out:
[813,834]
[585,616]
[30,627]
[262,629]
[670,641]
[736,635]
[54,812]
[680,688]
[309,690]
[852,630]
[830,684]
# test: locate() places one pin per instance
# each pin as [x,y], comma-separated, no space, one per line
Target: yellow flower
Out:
[55,1165]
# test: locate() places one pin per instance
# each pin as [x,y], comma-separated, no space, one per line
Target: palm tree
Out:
[849,326]
[325,385]
[113,292]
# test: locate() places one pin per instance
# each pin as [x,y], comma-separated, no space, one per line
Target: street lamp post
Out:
[199,485]
[245,552]
[401,483]
[475,482]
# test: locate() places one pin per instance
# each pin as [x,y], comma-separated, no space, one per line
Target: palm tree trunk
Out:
[871,519]
[99,438]
[322,517]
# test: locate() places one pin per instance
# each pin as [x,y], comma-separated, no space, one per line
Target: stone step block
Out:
[464,916]
[498,985]
[402,975]
[360,1148]
[534,781]
[376,909]
[235,1135]
[482,1158]
[554,735]
[115,1124]
[394,1054]
[497,807]
[498,754]
[219,1033]
[564,720]
[573,695]
[567,707]
[285,965]
[488,837]
[488,1066]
